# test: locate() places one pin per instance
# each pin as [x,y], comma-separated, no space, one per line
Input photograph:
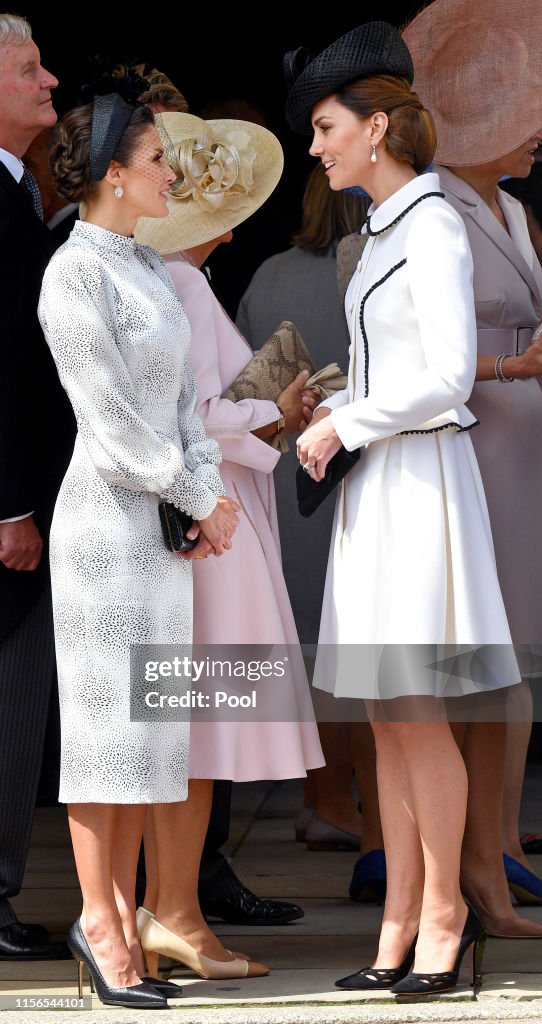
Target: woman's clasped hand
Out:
[319,443]
[215,532]
[297,405]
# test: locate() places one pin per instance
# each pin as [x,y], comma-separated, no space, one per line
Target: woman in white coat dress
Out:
[412,563]
[120,340]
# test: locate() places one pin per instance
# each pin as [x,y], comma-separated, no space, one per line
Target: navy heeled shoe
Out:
[371,978]
[369,878]
[473,939]
[524,884]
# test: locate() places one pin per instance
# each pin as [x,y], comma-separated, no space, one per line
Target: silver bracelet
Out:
[499,373]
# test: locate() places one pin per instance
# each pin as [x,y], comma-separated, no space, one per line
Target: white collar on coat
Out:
[384,215]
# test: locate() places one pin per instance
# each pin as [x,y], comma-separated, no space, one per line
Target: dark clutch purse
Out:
[311,493]
[175,526]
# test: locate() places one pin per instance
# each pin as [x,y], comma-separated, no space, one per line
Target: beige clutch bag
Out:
[275,365]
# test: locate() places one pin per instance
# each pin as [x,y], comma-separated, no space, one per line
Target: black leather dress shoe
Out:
[30,942]
[243,907]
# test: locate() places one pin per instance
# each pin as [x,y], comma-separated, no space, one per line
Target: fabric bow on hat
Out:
[225,170]
[210,170]
[209,173]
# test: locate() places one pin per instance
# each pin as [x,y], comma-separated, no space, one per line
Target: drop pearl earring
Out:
[119,191]
[373,155]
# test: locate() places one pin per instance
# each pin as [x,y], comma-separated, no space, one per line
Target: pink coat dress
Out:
[241,597]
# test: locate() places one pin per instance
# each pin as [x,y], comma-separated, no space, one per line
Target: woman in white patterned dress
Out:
[120,340]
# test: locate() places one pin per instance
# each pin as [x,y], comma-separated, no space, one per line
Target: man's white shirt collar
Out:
[12,163]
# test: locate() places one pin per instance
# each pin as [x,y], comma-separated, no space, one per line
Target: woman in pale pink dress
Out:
[240,599]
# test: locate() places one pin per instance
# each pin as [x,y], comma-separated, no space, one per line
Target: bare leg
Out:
[482,871]
[95,831]
[363,743]
[518,734]
[438,784]
[125,857]
[334,800]
[172,858]
[404,858]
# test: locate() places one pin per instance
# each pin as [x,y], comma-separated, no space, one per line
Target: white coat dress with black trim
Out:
[411,559]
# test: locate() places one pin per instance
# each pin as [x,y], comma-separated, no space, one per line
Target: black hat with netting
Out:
[375,48]
[110,117]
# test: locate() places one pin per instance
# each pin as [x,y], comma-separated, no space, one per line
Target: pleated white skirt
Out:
[412,564]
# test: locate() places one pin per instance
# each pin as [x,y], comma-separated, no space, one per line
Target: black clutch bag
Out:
[311,493]
[175,526]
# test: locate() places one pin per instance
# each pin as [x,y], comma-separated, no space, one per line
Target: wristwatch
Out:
[281,422]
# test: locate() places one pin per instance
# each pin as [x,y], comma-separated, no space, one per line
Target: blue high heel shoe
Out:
[524,884]
[369,878]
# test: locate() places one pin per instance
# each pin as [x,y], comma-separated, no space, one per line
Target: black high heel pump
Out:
[142,996]
[380,978]
[473,938]
[166,988]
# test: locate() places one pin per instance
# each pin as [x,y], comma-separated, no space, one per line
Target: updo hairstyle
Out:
[69,160]
[411,136]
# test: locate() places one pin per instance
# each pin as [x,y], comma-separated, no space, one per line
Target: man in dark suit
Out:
[36,438]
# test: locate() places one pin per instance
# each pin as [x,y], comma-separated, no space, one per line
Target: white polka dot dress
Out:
[120,338]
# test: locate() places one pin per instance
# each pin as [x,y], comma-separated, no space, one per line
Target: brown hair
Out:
[327,215]
[69,160]
[411,136]
[161,91]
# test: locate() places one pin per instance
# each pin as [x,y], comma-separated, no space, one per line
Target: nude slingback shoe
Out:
[143,916]
[156,941]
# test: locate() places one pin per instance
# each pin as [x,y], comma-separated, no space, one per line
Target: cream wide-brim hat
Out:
[201,216]
[478,69]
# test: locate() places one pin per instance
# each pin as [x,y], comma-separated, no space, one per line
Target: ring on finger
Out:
[307,468]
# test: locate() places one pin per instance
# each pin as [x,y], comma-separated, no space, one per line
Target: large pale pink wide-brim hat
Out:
[478,69]
[226,170]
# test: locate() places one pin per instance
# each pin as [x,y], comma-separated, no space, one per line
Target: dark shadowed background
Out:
[210,50]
